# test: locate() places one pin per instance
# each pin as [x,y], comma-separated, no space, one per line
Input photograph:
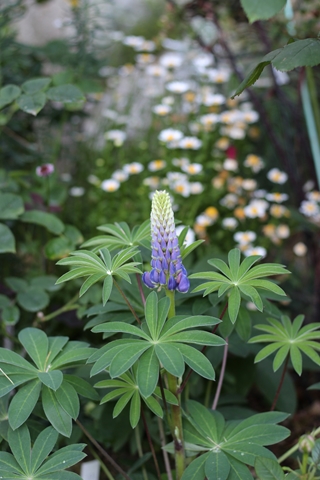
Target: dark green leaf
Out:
[10,315]
[23,403]
[197,361]
[56,415]
[135,408]
[268,469]
[261,10]
[234,301]
[35,85]
[217,466]
[11,206]
[51,379]
[12,358]
[171,359]
[148,372]
[20,445]
[68,399]
[45,219]
[65,94]
[151,313]
[8,94]
[61,460]
[7,240]
[124,359]
[121,403]
[36,344]
[196,471]
[33,299]
[8,463]
[43,445]
[82,387]
[32,103]
[106,289]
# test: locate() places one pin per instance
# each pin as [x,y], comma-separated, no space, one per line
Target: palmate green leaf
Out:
[197,337]
[254,296]
[217,466]
[119,327]
[68,399]
[118,392]
[197,361]
[7,240]
[43,445]
[196,469]
[171,359]
[268,469]
[61,460]
[280,357]
[154,406]
[238,470]
[36,344]
[208,422]
[151,313]
[234,301]
[56,415]
[121,403]
[180,323]
[148,372]
[82,387]
[126,357]
[163,310]
[245,453]
[12,358]
[10,382]
[135,408]
[23,403]
[8,463]
[20,445]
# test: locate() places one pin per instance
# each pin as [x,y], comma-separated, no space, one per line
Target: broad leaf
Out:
[56,415]
[23,403]
[36,343]
[261,10]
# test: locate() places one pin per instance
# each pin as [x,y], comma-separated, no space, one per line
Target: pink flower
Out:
[45,170]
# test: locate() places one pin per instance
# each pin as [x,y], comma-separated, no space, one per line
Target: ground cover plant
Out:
[160,350]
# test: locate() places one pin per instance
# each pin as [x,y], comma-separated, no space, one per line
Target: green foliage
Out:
[268,469]
[127,388]
[231,445]
[59,396]
[261,10]
[288,338]
[159,343]
[240,281]
[120,236]
[27,462]
[301,53]
[87,264]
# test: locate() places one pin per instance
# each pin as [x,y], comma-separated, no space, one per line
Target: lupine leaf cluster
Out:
[288,338]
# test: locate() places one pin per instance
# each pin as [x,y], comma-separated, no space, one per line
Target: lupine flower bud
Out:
[167,268]
[306,443]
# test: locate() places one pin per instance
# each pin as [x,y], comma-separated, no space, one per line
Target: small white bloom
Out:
[156,165]
[145,46]
[170,135]
[181,187]
[250,116]
[203,60]
[190,143]
[192,168]
[282,231]
[133,168]
[178,87]
[93,179]
[133,41]
[110,185]
[155,71]
[309,208]
[244,238]
[152,182]
[171,60]
[300,249]
[230,223]
[230,164]
[256,209]
[229,201]
[209,120]
[180,162]
[117,136]
[313,196]
[76,191]
[145,58]
[161,109]
[213,99]
[255,251]
[277,176]
[196,188]
[120,175]
[254,162]
[277,197]
[249,184]
[220,75]
[169,100]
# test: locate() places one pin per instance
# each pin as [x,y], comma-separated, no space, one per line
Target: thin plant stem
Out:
[273,406]
[163,395]
[67,307]
[102,451]
[296,447]
[102,465]
[150,444]
[207,394]
[164,453]
[222,372]
[138,277]
[126,300]
[140,451]
[184,383]
[176,414]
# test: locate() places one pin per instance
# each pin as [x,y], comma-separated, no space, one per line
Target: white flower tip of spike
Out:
[300,249]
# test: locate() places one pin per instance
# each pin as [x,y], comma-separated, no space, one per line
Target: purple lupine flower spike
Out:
[167,268]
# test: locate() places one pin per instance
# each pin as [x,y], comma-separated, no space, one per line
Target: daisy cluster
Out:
[197,138]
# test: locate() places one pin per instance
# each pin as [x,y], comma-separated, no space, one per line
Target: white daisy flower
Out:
[191,143]
[244,238]
[133,168]
[255,251]
[300,249]
[309,208]
[117,136]
[282,231]
[277,197]
[120,175]
[256,209]
[170,135]
[155,70]
[192,168]
[230,223]
[230,164]
[161,109]
[277,176]
[249,184]
[76,191]
[213,99]
[110,185]
[254,162]
[178,87]
[156,165]
[196,188]
[229,201]
[171,60]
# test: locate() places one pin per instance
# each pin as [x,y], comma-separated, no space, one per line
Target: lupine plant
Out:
[154,344]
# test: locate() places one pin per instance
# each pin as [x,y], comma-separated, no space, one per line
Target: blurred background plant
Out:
[122,105]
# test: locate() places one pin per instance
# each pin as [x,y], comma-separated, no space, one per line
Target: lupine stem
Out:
[151,444]
[126,300]
[222,372]
[163,443]
[67,307]
[273,406]
[176,415]
[296,447]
